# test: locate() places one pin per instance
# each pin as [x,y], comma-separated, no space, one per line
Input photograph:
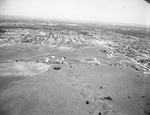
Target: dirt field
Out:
[75,89]
[18,70]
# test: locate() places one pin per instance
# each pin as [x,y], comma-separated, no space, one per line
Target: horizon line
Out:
[73,20]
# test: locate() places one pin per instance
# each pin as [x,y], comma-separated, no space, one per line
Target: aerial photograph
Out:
[74,57]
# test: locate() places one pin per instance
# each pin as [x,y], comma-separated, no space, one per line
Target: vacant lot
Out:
[16,71]
[20,68]
[75,89]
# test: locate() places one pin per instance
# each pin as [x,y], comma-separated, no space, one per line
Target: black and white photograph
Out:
[74,57]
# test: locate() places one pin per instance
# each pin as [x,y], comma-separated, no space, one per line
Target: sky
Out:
[112,11]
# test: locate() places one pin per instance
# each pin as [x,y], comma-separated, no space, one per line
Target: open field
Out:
[83,69]
[14,71]
[24,69]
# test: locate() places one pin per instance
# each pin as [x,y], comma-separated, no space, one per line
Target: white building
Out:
[47,59]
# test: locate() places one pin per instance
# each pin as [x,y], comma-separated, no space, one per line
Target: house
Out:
[90,60]
[93,61]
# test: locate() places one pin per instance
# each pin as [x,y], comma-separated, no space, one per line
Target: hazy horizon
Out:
[107,11]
